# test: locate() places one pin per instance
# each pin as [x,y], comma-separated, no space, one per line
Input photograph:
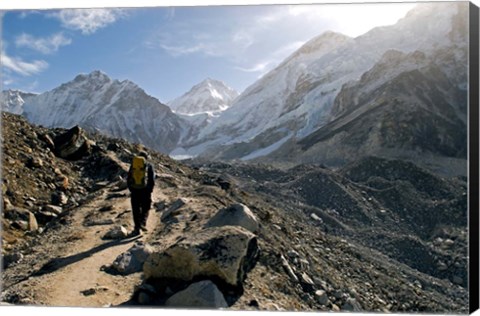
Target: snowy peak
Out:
[320,45]
[208,96]
[13,100]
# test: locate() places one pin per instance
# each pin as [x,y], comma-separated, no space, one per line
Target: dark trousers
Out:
[141,203]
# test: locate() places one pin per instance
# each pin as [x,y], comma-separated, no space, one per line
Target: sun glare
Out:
[353,19]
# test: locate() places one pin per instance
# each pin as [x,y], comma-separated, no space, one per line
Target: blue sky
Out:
[167,50]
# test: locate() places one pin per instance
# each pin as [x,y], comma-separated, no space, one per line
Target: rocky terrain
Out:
[377,235]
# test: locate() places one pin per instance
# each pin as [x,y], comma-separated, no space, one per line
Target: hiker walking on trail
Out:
[140,180]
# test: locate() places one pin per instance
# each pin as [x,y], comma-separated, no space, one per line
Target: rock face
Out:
[235,215]
[227,253]
[204,294]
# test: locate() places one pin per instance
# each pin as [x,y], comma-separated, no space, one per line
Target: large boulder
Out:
[72,145]
[235,215]
[204,294]
[226,253]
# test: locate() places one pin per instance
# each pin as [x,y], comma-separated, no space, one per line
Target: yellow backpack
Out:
[138,171]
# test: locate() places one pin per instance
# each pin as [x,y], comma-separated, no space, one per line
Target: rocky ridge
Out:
[292,248]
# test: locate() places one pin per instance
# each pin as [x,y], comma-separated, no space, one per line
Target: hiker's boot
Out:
[135,232]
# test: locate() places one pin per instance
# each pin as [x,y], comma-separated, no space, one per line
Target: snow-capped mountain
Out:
[13,100]
[209,96]
[116,108]
[296,98]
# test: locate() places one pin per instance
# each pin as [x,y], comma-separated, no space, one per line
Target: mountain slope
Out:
[328,240]
[297,97]
[209,96]
[119,109]
[411,106]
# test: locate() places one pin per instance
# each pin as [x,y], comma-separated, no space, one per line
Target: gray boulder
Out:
[204,294]
[322,297]
[227,252]
[235,215]
[133,259]
[352,305]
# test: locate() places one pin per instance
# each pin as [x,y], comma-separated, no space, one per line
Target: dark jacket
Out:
[150,180]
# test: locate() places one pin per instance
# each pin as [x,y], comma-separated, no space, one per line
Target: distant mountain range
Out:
[120,109]
[398,90]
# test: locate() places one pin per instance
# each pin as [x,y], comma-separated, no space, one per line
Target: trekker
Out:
[140,180]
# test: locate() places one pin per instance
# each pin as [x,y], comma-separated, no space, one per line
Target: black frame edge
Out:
[473,158]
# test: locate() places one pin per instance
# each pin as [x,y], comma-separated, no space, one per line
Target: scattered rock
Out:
[352,305]
[293,254]
[25,219]
[95,290]
[106,208]
[12,258]
[288,269]
[307,282]
[457,280]
[145,294]
[235,215]
[441,266]
[53,209]
[159,206]
[335,308]
[116,196]
[315,217]
[99,222]
[35,162]
[48,140]
[227,252]
[117,232]
[59,198]
[174,208]
[321,297]
[45,217]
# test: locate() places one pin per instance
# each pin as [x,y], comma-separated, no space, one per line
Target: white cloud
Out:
[44,45]
[22,67]
[274,59]
[176,51]
[88,21]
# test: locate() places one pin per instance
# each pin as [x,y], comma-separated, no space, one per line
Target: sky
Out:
[168,49]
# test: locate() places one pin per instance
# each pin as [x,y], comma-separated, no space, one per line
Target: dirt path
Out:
[77,278]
